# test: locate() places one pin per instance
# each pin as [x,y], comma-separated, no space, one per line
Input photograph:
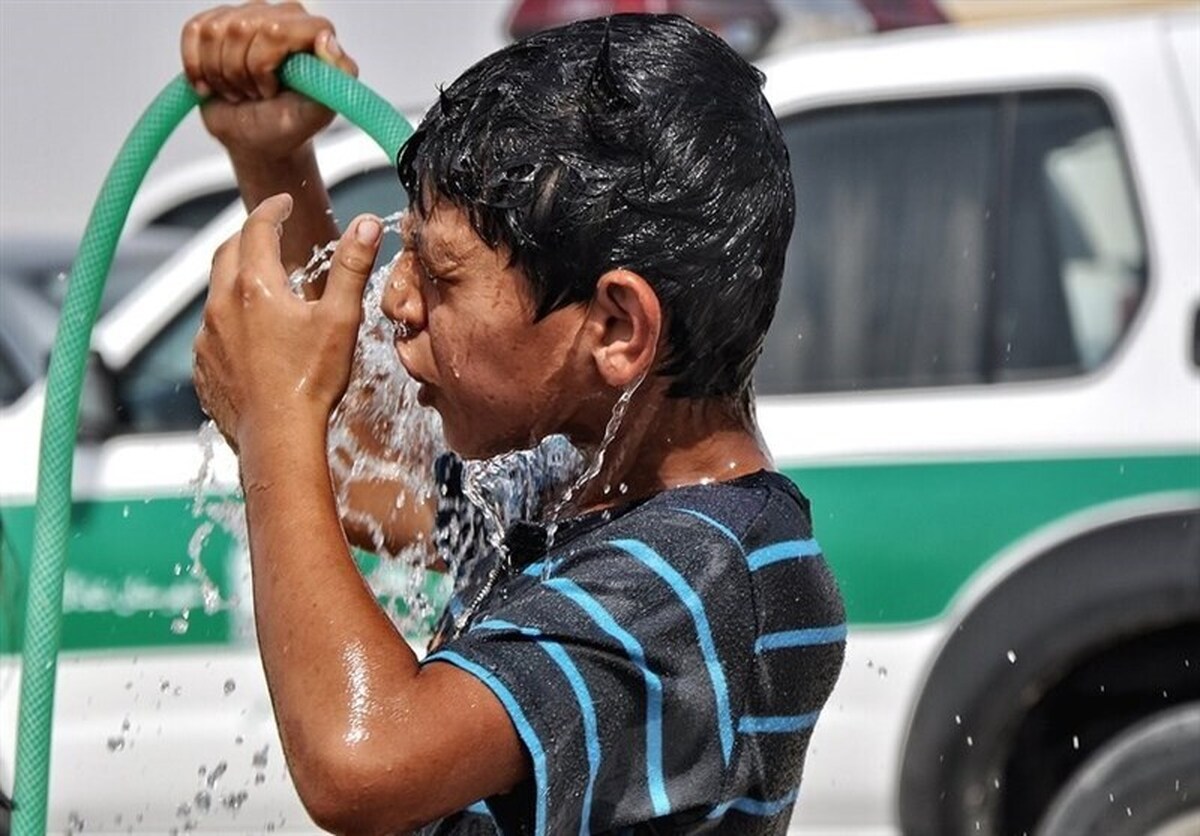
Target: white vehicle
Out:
[984,371]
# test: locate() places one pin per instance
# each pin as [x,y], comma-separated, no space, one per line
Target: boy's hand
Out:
[266,361]
[232,53]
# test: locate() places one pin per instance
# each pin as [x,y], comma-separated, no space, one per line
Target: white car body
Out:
[182,718]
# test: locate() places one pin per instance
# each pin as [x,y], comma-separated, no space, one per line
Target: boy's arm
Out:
[374,742]
[232,55]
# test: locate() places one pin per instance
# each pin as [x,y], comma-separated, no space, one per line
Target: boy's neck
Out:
[666,443]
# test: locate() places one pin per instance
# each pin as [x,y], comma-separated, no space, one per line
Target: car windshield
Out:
[33,286]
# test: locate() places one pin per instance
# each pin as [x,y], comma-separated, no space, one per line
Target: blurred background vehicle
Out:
[33,284]
[984,371]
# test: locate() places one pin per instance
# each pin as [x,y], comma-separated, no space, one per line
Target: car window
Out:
[155,390]
[11,384]
[954,241]
[196,212]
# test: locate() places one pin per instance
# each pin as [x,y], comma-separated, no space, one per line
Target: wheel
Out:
[1144,782]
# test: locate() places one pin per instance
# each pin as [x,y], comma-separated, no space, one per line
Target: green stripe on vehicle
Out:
[903,538]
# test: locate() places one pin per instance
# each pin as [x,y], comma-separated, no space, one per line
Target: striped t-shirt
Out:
[663,663]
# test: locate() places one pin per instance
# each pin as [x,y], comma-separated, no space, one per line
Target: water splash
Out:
[595,464]
[379,433]
[208,437]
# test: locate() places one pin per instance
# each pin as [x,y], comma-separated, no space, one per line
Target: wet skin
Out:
[466,332]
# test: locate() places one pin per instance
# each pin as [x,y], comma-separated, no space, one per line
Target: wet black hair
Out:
[634,141]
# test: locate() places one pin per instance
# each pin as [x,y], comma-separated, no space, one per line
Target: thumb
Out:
[351,267]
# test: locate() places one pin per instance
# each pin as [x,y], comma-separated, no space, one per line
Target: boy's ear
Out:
[627,321]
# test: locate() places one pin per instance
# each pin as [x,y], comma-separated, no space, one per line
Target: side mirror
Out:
[98,414]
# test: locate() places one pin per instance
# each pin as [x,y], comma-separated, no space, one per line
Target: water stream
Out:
[380,434]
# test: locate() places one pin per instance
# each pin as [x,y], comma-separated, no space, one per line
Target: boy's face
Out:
[465,332]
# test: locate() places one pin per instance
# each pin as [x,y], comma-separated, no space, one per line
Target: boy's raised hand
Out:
[232,54]
[268,363]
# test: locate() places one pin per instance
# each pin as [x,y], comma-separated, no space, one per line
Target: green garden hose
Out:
[43,611]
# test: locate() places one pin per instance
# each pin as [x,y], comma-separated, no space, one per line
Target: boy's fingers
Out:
[259,252]
[330,51]
[212,42]
[262,58]
[234,49]
[351,268]
[190,50]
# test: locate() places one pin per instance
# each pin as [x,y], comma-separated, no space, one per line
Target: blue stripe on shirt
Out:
[695,607]
[604,620]
[538,569]
[524,730]
[777,725]
[754,806]
[719,526]
[587,707]
[787,550]
[801,638]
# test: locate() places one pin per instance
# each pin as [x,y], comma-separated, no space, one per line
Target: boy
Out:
[599,217]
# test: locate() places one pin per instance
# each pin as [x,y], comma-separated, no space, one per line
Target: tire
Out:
[1144,782]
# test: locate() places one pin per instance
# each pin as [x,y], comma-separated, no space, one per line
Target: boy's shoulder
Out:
[747,512]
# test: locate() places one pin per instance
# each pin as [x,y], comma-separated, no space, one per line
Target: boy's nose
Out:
[402,301]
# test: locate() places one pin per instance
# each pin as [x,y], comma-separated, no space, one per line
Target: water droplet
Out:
[1128,812]
[1111,798]
[203,800]
[116,744]
[259,778]
[1075,741]
[260,757]
[883,672]
[230,687]
[1012,657]
[958,719]
[996,783]
[235,800]
[125,512]
[216,774]
[179,625]
[970,740]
